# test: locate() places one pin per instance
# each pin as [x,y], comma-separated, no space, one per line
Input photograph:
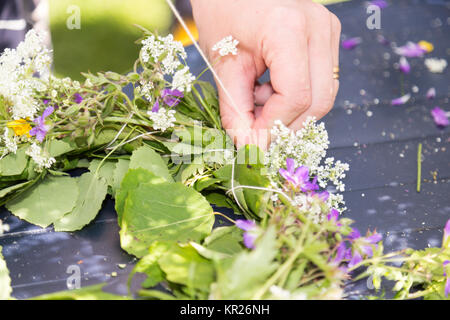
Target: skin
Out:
[298,40]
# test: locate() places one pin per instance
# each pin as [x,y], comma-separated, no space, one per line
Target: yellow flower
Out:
[425,45]
[21,127]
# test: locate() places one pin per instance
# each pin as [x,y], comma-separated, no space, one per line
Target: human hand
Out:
[298,40]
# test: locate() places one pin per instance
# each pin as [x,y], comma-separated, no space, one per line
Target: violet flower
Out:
[410,50]
[333,215]
[381,39]
[356,258]
[431,93]
[298,177]
[447,230]
[249,236]
[447,282]
[404,65]
[440,117]
[351,43]
[379,3]
[402,100]
[171,97]
[341,252]
[40,130]
[324,195]
[155,107]
[77,98]
[355,234]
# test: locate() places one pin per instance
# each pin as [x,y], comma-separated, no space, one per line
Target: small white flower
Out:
[3,227]
[226,46]
[182,80]
[40,158]
[162,119]
[436,65]
[10,143]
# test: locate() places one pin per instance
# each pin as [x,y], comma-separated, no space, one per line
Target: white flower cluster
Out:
[40,158]
[10,143]
[167,52]
[226,46]
[308,148]
[163,119]
[436,65]
[145,89]
[165,48]
[182,80]
[18,68]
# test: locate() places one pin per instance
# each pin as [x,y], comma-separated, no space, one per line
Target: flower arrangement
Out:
[165,158]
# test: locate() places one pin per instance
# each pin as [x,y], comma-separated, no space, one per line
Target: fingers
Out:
[335,41]
[321,65]
[238,77]
[262,94]
[285,51]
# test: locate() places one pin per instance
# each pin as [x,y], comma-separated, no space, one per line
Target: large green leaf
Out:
[119,173]
[46,202]
[147,158]
[14,164]
[6,191]
[59,147]
[106,171]
[130,183]
[94,292]
[5,280]
[93,191]
[225,240]
[163,212]
[183,265]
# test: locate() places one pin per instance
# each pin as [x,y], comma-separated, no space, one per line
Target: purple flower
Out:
[46,101]
[404,65]
[298,177]
[249,237]
[447,229]
[381,39]
[447,282]
[351,43]
[340,253]
[324,195]
[356,258]
[431,93]
[355,234]
[410,50]
[77,98]
[155,107]
[171,97]
[380,3]
[374,238]
[439,117]
[402,100]
[40,130]
[333,215]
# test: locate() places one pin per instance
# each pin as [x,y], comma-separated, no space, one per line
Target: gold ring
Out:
[336,73]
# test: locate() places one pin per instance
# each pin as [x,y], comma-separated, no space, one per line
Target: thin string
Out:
[202,54]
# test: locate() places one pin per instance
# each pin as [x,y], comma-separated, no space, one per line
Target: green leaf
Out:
[149,264]
[163,212]
[205,183]
[239,278]
[6,191]
[183,265]
[93,191]
[59,147]
[130,183]
[225,239]
[5,280]
[46,202]
[106,171]
[94,292]
[120,170]
[14,164]
[146,158]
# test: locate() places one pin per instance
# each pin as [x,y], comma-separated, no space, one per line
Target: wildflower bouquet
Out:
[164,157]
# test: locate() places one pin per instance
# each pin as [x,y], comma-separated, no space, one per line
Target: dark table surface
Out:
[378,140]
